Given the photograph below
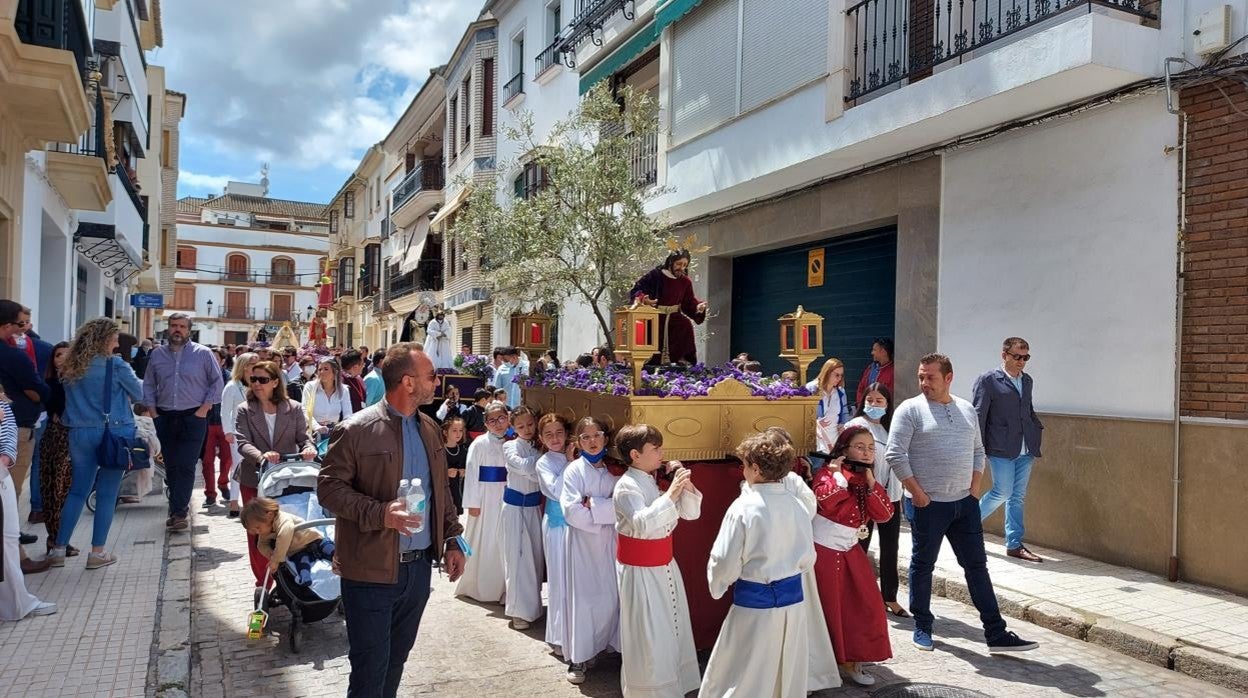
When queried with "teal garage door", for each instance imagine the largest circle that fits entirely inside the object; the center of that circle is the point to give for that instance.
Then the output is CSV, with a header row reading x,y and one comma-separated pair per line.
x,y
856,299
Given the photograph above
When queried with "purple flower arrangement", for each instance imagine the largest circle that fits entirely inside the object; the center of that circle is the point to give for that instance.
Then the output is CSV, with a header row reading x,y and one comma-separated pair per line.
x,y
682,382
478,365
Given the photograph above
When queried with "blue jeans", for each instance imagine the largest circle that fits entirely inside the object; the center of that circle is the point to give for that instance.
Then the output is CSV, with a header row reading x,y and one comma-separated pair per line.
x,y
87,474
382,620
960,523
1009,485
181,436
36,496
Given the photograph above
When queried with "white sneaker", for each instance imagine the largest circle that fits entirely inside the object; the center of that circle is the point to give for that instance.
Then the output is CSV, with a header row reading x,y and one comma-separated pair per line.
x,y
576,674
861,677
45,608
519,624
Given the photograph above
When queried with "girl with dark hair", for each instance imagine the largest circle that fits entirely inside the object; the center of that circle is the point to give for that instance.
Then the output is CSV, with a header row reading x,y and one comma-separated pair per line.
x,y
849,497
522,521
483,577
593,592
875,412
55,472
453,439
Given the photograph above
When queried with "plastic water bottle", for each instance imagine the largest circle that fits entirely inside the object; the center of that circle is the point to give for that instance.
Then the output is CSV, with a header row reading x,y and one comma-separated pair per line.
x,y
416,502
404,486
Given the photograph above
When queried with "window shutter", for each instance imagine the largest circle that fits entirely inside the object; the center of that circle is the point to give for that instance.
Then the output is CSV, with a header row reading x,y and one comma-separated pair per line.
x,y
409,162
348,205
466,96
704,67
333,222
801,27
487,97
453,120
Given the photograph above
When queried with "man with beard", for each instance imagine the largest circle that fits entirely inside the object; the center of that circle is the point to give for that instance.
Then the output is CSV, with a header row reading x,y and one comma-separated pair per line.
x,y
182,384
669,289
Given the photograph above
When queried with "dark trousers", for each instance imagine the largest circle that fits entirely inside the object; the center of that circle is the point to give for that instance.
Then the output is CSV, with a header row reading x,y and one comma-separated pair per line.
x,y
382,620
181,436
959,522
890,531
322,549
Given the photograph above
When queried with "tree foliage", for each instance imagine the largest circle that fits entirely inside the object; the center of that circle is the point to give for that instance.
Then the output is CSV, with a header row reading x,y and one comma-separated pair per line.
x,y
584,233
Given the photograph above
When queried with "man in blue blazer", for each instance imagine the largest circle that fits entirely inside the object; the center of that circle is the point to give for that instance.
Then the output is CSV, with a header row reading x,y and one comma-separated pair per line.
x,y
1011,432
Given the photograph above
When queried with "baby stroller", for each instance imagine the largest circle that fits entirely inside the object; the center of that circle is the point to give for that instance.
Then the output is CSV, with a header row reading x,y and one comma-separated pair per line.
x,y
292,483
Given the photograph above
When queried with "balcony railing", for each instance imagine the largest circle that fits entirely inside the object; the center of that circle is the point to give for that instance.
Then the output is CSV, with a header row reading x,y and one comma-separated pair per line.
x,y
132,188
283,278
894,41
279,315
238,275
429,175
229,312
514,88
427,276
92,142
644,160
549,57
590,16
58,24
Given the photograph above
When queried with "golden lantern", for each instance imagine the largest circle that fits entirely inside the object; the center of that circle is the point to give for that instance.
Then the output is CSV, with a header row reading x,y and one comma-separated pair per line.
x,y
636,337
801,339
530,332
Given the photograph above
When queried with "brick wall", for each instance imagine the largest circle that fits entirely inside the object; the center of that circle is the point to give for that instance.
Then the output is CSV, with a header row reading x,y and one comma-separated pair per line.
x,y
1215,310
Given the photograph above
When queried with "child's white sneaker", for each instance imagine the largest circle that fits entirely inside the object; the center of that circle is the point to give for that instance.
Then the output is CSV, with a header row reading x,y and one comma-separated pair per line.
x,y
576,674
519,624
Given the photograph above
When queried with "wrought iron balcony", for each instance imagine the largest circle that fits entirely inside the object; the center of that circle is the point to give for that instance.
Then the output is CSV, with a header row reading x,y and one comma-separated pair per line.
x,y
644,160
427,276
238,275
283,279
590,16
130,184
92,143
896,41
229,312
514,87
58,24
281,315
549,57
429,175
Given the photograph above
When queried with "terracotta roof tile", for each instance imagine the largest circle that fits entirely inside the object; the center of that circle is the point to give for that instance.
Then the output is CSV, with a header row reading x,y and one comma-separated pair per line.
x,y
264,206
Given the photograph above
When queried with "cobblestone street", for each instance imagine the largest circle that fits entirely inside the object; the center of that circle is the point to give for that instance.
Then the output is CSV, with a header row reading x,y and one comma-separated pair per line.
x,y
466,649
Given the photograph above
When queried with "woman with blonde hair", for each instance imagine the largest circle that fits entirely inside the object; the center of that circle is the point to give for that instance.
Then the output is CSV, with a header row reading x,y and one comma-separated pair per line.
x,y
832,413
100,391
233,395
326,400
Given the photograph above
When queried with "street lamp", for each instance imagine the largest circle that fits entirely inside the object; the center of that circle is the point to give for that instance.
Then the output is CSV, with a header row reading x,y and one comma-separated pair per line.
x,y
209,307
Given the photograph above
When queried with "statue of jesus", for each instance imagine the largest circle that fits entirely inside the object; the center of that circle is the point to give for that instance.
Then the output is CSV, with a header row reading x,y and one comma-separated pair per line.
x,y
668,289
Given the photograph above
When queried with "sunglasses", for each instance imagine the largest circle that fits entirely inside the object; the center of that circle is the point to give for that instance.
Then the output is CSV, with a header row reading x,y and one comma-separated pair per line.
x,y
262,380
1019,357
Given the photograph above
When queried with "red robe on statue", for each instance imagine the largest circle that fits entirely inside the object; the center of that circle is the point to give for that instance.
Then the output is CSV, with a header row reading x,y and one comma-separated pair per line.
x,y
669,291
851,601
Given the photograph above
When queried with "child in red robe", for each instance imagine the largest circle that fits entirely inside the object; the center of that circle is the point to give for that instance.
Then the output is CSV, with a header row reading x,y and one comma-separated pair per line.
x,y
848,496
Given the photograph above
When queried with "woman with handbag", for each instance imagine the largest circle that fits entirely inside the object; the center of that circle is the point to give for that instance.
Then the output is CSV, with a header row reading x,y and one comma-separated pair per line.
x,y
100,390
326,401
268,425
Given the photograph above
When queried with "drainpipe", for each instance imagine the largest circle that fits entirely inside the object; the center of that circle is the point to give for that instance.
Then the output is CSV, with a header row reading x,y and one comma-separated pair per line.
x,y
1172,566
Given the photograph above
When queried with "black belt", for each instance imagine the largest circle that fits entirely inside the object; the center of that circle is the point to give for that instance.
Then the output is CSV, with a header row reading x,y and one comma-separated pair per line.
x,y
414,555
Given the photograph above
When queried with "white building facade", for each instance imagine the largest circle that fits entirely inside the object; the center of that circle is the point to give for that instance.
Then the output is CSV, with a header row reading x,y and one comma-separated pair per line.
x,y
248,264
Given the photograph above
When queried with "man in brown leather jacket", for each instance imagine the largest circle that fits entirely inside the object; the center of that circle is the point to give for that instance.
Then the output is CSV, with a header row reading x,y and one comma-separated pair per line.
x,y
384,554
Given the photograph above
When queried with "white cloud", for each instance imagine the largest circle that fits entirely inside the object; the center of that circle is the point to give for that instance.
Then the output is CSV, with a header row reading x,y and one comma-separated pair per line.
x,y
203,183
305,84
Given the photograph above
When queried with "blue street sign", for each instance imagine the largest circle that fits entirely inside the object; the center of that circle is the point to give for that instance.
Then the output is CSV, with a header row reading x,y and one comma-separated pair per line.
x,y
147,300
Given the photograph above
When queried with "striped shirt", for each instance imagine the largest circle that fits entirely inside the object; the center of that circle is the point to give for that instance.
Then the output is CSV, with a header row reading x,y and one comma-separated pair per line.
x,y
8,432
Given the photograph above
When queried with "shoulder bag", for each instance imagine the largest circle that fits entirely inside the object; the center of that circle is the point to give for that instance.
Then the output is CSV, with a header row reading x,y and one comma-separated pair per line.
x,y
117,452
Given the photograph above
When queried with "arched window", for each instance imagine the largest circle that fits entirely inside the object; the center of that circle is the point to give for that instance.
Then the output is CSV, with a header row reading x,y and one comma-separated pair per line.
x,y
236,267
282,271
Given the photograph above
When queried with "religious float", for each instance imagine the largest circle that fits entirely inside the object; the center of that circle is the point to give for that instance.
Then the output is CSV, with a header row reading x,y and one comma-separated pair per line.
x,y
703,413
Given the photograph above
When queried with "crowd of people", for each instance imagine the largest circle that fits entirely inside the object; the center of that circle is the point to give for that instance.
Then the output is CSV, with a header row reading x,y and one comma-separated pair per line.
x,y
541,500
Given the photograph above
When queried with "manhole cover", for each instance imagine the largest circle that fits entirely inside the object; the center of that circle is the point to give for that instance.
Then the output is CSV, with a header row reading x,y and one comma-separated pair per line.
x,y
926,690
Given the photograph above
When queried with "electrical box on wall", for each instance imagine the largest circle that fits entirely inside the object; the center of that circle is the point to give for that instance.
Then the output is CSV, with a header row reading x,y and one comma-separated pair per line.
x,y
1212,31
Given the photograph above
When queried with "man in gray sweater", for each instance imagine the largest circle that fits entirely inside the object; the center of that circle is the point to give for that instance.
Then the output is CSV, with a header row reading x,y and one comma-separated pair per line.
x,y
935,448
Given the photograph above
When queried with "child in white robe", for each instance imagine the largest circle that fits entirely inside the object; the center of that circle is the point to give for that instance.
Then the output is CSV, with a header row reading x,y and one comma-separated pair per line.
x,y
656,635
764,546
484,482
522,522
593,599
553,430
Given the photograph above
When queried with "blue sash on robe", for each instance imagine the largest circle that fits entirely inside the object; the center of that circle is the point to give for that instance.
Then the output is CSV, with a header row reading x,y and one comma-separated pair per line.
x,y
517,498
778,594
493,473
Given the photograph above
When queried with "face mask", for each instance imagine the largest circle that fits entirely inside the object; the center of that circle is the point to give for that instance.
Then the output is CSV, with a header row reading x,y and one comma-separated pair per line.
x,y
308,371
20,340
134,351
874,412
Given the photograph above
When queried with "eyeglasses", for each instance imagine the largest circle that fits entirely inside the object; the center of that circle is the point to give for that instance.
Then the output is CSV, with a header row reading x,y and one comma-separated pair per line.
x,y
499,419
592,436
262,380
1019,357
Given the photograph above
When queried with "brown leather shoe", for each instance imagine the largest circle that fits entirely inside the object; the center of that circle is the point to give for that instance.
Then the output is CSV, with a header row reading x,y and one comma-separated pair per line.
x,y
1022,553
30,566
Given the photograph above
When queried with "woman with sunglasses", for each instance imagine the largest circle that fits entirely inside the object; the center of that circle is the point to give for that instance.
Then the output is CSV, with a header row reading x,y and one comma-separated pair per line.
x,y
326,400
267,426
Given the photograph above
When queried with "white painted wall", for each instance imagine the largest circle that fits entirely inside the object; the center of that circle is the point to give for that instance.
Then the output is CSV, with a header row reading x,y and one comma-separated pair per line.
x,y
1065,235
47,254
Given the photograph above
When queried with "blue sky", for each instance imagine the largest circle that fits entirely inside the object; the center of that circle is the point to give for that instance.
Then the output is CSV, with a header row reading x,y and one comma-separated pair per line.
x,y
304,85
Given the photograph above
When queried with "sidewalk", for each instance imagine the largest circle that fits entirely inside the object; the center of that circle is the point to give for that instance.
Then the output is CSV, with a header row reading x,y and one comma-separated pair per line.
x,y
99,643
1199,631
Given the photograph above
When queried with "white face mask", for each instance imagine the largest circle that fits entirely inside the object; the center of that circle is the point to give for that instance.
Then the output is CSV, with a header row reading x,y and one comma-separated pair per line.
x,y
309,371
